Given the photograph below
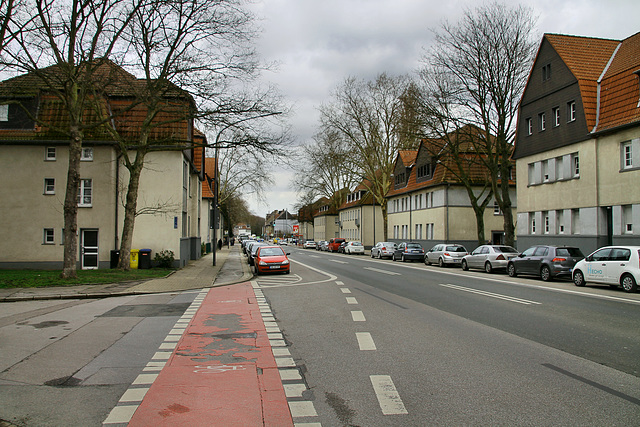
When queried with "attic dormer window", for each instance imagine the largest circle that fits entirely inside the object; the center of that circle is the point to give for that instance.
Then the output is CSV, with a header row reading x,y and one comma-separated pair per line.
x,y
4,113
546,72
400,179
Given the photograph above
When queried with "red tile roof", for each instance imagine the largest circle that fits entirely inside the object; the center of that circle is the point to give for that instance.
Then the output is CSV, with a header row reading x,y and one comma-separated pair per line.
x,y
209,168
614,61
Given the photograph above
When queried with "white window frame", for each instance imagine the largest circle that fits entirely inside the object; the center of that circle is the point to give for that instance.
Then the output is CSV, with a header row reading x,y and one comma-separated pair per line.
x,y
571,111
48,236
86,155
545,217
626,149
49,186
529,126
556,116
533,225
575,165
50,154
85,190
543,121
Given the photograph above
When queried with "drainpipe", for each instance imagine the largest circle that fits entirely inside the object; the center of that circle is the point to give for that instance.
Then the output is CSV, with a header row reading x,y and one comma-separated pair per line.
x,y
115,233
446,206
410,218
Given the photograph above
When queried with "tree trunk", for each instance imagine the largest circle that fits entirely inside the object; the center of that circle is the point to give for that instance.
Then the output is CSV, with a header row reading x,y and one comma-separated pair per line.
x,y
71,206
135,170
479,212
509,225
385,221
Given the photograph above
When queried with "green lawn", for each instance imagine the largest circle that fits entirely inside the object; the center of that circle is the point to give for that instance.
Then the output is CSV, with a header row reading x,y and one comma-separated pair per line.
x,y
43,278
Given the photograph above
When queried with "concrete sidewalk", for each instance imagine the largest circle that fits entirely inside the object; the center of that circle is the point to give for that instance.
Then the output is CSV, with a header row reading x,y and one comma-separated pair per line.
x,y
197,274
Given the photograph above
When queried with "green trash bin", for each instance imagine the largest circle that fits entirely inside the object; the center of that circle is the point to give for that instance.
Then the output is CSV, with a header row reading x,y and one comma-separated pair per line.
x,y
133,259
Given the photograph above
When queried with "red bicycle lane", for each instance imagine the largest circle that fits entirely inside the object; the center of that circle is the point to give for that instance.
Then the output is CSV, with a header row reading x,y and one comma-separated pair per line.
x,y
222,372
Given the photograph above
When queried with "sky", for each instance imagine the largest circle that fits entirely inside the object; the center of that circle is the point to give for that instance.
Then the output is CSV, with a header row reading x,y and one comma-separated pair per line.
x,y
317,44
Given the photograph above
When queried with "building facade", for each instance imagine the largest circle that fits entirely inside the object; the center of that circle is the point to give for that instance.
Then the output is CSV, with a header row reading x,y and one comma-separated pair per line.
x,y
578,144
34,162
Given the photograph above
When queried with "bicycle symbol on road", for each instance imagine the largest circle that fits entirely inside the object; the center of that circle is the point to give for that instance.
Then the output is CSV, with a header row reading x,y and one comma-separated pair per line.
x,y
217,369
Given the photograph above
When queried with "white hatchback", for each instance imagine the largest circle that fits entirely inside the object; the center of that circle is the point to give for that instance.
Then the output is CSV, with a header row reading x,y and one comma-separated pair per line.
x,y
612,265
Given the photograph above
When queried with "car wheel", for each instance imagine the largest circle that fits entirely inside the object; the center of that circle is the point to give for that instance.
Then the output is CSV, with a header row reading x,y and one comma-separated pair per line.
x,y
464,265
487,267
629,283
545,273
379,255
372,254
511,269
578,278
393,257
440,262
288,271
426,260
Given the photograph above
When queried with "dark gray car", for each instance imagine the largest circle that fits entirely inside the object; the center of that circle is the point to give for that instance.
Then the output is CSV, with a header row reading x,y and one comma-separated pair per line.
x,y
545,261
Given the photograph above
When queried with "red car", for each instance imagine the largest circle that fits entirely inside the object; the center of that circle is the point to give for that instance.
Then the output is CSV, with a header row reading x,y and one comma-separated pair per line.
x,y
271,259
334,244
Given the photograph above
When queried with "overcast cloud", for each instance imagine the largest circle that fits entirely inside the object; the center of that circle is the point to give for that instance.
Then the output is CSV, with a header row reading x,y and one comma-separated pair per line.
x,y
317,44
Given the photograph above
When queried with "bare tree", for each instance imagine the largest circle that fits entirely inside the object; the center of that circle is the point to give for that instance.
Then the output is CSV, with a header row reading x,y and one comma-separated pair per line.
x,y
369,116
482,63
200,51
61,45
328,168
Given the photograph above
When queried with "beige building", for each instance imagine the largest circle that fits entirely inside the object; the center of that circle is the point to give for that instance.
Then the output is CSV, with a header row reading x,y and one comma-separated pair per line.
x,y
360,219
578,144
428,204
325,221
34,165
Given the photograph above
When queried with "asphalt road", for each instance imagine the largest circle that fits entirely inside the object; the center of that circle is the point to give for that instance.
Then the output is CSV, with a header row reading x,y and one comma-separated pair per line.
x,y
386,343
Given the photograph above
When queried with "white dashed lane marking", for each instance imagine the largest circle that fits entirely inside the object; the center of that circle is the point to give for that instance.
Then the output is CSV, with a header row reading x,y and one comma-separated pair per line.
x,y
388,397
365,341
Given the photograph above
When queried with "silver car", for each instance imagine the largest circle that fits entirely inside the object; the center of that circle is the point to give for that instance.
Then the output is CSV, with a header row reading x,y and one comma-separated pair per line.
x,y
383,250
489,257
444,255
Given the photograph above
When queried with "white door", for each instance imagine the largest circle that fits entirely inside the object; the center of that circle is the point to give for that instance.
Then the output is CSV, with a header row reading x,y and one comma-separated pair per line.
x,y
89,249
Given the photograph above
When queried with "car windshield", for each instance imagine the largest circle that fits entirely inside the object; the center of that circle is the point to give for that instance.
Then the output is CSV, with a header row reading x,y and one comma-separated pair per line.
x,y
573,252
356,244
505,249
271,252
455,249
414,245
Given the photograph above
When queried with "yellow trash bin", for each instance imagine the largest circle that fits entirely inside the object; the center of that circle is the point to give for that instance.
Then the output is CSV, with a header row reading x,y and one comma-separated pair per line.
x,y
133,259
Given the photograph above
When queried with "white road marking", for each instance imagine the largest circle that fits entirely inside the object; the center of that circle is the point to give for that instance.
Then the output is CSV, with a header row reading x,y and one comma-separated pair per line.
x,y
339,262
121,414
491,294
339,282
352,300
387,395
358,316
390,273
294,390
365,341
302,409
345,290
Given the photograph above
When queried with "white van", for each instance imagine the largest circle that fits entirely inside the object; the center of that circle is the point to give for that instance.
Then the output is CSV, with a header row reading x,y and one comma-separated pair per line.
x,y
612,265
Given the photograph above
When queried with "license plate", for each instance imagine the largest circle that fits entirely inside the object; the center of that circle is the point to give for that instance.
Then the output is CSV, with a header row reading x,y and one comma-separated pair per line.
x,y
274,266
456,260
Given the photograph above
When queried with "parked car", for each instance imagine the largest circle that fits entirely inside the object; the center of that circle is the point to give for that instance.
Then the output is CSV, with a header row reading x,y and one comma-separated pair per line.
x,y
545,261
254,249
334,244
408,251
383,249
444,255
489,257
354,248
309,244
342,246
321,243
271,259
245,245
612,265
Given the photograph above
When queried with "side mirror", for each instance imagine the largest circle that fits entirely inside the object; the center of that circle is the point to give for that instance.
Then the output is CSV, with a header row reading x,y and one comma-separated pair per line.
x,y
589,258
288,253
